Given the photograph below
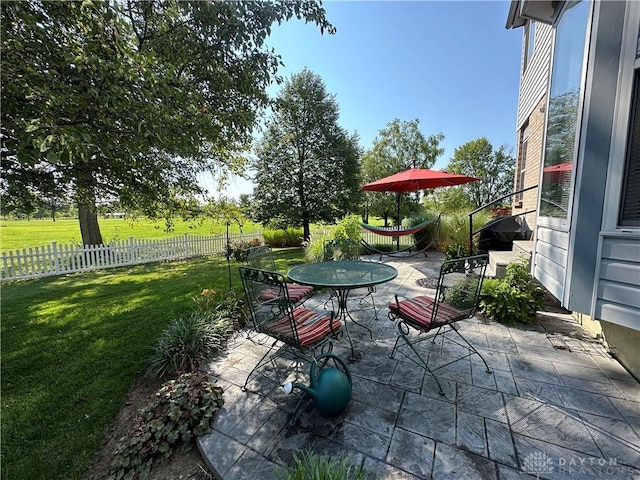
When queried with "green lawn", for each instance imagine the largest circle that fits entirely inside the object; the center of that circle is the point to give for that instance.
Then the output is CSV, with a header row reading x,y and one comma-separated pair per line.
x,y
72,346
15,234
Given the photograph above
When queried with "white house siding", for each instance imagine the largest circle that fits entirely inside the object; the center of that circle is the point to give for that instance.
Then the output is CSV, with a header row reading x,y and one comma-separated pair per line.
x,y
618,298
550,259
534,80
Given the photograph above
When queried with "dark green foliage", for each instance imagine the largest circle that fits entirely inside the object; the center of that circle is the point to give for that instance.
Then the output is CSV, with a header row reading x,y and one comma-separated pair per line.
x,y
180,411
478,159
513,299
463,293
188,341
398,146
314,467
131,100
306,164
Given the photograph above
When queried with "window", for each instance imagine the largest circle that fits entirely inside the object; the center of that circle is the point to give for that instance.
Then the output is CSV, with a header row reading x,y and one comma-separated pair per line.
x,y
630,201
522,164
563,114
529,42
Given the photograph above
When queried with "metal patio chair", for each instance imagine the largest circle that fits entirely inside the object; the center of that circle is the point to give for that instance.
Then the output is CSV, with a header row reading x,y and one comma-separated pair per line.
x,y
262,257
303,331
457,297
347,249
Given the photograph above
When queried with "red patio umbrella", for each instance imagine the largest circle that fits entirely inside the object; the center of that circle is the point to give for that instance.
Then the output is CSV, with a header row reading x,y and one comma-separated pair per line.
x,y
416,179
558,173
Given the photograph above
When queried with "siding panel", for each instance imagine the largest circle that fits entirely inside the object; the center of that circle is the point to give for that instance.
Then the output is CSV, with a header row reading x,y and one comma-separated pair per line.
x,y
533,84
618,314
621,249
618,292
625,294
550,283
554,237
619,271
551,260
552,252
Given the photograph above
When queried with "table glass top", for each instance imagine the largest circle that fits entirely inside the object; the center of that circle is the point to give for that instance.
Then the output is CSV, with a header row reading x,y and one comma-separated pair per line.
x,y
342,274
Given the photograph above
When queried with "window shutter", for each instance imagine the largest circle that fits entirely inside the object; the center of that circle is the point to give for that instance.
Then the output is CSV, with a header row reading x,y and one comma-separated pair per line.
x,y
630,205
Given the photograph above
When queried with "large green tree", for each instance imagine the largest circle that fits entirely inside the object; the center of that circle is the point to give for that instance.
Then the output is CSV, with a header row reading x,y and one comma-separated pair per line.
x,y
399,146
129,100
306,164
478,159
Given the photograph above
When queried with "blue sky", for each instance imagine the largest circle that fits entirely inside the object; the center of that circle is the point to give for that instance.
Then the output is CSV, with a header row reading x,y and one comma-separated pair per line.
x,y
450,64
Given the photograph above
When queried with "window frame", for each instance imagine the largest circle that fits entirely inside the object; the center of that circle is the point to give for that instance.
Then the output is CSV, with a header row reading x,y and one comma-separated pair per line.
x,y
557,223
529,43
522,164
621,126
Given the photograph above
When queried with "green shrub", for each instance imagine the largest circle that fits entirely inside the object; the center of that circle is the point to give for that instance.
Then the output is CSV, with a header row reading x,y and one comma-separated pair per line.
x,y
462,294
513,299
180,411
238,248
315,467
348,228
288,237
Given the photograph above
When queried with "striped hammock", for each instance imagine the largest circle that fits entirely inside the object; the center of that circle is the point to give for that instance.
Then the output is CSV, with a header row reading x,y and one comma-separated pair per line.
x,y
401,232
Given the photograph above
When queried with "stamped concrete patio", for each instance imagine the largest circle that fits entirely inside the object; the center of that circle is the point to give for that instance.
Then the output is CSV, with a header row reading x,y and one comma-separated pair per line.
x,y
556,405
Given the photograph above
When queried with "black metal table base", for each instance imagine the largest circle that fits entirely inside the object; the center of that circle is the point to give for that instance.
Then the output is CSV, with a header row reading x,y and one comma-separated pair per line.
x,y
343,314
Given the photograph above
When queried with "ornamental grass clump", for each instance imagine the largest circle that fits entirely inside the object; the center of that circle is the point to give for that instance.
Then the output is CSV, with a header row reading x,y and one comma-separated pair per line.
x,y
188,341
180,411
314,467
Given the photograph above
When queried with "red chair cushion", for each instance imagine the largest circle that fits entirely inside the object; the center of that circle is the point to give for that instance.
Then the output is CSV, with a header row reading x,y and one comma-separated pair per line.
x,y
419,312
296,292
312,326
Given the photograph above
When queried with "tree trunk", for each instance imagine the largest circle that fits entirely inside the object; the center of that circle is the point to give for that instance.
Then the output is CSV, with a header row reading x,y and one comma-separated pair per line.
x,y
306,230
87,212
89,228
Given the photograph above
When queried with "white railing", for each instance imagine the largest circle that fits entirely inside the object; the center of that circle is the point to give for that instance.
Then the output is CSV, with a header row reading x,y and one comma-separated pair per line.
x,y
57,259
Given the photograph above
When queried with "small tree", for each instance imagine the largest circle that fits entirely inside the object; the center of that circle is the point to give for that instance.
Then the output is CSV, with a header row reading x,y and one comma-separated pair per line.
x,y
399,146
307,165
478,159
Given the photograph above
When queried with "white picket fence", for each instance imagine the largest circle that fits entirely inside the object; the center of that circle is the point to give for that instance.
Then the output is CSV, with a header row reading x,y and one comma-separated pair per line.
x,y
57,259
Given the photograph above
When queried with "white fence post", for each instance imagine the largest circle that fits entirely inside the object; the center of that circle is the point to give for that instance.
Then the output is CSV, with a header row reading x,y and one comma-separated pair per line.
x,y
57,259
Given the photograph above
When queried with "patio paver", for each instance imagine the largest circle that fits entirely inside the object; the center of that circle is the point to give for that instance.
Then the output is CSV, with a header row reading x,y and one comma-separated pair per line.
x,y
556,406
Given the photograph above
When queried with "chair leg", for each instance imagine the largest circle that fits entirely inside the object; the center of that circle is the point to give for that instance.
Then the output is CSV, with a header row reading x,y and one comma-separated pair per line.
x,y
471,348
258,365
404,334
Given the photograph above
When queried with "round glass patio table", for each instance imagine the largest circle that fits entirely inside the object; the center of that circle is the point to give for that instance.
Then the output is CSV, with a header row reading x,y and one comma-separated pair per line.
x,y
342,277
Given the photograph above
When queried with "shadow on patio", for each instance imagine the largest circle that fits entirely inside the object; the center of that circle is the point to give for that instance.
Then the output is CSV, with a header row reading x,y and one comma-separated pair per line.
x,y
556,405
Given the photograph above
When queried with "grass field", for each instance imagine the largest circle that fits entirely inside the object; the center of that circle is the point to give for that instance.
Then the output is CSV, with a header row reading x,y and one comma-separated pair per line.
x,y
72,346
16,234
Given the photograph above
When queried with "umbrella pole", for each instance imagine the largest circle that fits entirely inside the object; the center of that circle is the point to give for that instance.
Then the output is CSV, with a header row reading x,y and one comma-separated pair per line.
x,y
398,222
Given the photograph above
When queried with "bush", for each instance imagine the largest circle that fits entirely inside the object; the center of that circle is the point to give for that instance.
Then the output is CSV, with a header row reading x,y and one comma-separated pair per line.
x,y
513,299
314,467
348,228
238,248
289,237
180,411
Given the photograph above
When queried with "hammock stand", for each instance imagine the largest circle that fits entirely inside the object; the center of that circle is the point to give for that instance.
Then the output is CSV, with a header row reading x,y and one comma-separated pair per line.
x,y
433,223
